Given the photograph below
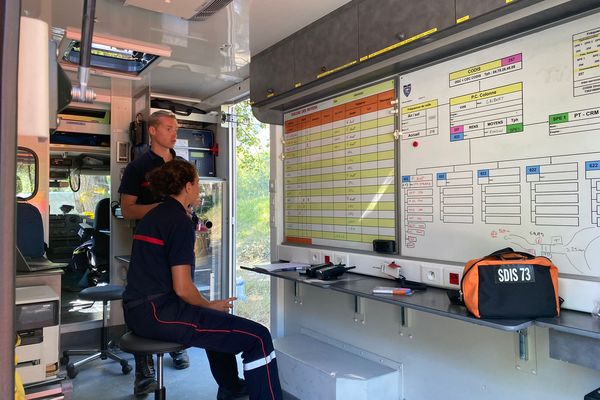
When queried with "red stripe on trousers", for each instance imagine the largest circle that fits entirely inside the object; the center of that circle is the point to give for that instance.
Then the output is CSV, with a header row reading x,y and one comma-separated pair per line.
x,y
220,331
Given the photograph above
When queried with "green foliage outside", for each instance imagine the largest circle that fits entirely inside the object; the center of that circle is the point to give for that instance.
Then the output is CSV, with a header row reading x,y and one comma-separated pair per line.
x,y
252,208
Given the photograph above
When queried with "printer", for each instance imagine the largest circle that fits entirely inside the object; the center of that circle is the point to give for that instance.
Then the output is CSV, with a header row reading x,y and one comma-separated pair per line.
x,y
37,323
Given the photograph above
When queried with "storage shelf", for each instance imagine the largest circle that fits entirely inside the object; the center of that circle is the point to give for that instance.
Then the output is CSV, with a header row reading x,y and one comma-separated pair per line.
x,y
435,301
574,322
432,301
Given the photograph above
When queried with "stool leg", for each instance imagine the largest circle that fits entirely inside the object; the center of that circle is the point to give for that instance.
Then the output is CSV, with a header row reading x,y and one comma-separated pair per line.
x,y
161,392
104,331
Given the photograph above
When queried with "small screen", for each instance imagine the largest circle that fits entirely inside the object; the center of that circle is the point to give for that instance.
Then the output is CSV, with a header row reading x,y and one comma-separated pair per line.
x,y
36,315
196,154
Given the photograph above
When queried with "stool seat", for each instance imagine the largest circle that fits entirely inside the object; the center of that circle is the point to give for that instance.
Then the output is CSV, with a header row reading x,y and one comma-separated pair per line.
x,y
102,293
105,294
132,343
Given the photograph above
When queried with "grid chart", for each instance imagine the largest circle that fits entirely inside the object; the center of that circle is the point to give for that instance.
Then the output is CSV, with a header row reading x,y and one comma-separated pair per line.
x,y
339,178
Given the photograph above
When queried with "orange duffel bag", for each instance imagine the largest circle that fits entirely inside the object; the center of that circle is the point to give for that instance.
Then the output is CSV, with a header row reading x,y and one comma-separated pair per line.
x,y
510,284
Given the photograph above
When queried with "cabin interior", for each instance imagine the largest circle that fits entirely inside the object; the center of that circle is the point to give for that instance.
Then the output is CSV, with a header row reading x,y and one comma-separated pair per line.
x,y
404,139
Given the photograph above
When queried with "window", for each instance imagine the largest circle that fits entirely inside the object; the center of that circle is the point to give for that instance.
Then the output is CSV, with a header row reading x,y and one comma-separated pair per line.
x,y
111,58
27,173
252,235
92,189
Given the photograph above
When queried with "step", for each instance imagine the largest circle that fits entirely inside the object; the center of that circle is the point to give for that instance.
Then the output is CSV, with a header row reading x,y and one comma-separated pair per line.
x,y
311,370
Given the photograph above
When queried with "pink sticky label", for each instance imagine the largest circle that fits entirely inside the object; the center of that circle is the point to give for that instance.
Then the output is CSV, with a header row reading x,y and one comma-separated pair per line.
x,y
457,129
512,59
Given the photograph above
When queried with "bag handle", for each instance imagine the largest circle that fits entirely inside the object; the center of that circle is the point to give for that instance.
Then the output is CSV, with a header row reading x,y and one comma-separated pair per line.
x,y
503,253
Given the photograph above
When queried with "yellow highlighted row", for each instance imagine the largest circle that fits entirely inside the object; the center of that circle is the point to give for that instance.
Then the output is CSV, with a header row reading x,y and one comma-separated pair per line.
x,y
366,173
351,190
349,144
383,155
584,39
476,69
366,92
420,106
370,222
352,237
484,94
341,176
343,130
364,141
343,206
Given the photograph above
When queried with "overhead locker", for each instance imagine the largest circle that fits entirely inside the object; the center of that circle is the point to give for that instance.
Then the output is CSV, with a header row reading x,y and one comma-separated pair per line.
x,y
469,9
326,46
387,24
272,71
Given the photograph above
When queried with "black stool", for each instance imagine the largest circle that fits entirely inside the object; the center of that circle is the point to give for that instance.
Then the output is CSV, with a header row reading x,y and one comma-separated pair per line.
x,y
105,294
131,343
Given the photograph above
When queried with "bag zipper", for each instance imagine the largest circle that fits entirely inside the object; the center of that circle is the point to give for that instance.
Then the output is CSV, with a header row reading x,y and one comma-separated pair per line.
x,y
460,291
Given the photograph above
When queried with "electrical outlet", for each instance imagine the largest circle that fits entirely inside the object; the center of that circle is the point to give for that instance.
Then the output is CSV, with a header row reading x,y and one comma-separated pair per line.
x,y
452,276
341,258
316,257
327,256
391,268
432,275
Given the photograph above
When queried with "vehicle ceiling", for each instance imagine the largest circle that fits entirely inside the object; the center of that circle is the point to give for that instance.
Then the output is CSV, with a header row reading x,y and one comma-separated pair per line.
x,y
207,56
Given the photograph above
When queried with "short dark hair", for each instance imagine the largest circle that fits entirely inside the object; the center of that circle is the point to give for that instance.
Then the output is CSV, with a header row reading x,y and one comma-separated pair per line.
x,y
171,178
155,117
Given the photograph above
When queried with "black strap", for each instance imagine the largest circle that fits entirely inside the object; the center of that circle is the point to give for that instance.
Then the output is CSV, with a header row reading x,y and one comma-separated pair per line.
x,y
508,250
138,302
455,297
410,284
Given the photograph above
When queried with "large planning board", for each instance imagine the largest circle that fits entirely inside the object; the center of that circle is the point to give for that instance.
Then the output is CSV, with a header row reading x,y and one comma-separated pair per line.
x,y
339,170
497,148
501,147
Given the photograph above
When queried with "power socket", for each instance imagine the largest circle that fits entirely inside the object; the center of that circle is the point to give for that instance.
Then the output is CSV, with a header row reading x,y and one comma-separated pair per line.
x,y
316,257
341,258
432,275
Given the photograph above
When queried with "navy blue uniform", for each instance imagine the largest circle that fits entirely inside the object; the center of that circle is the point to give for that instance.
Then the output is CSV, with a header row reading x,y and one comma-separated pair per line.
x,y
165,238
135,178
135,183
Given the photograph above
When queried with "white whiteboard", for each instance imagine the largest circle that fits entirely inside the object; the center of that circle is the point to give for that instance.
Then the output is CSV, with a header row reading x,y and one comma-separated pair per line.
x,y
339,170
501,147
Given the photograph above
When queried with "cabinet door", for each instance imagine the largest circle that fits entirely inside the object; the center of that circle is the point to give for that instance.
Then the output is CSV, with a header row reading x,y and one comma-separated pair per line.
x,y
272,71
326,45
469,9
383,23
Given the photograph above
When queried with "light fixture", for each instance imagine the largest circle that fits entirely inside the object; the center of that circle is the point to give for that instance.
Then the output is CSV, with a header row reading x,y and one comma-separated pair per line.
x,y
112,56
33,113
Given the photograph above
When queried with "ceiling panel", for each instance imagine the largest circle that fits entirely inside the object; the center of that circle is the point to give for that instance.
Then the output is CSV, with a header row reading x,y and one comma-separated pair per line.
x,y
207,56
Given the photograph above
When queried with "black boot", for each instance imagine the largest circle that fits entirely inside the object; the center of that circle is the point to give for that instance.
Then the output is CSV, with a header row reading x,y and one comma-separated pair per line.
x,y
238,391
180,359
145,381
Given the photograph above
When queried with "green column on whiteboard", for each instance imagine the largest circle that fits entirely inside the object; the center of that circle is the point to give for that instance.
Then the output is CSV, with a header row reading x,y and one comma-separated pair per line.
x,y
514,128
558,118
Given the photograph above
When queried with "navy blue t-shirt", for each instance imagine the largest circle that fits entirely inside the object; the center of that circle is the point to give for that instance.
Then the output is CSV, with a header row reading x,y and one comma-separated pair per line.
x,y
163,238
135,178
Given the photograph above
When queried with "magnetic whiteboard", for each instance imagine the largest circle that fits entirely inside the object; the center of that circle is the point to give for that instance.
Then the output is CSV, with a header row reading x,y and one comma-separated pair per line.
x,y
501,147
339,170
